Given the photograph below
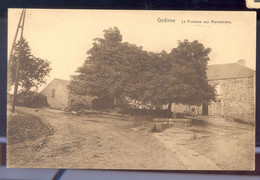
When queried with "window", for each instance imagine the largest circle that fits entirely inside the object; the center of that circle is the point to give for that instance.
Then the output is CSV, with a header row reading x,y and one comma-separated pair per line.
x,y
53,93
218,90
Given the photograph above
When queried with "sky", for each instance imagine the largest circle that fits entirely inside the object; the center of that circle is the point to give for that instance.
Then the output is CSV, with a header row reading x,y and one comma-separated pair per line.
x,y
64,36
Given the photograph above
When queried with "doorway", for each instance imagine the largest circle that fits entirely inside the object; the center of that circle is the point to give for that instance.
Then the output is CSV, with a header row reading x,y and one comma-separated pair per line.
x,y
217,107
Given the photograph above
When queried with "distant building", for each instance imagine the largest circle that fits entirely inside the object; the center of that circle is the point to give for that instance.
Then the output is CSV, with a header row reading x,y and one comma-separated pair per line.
x,y
59,97
57,93
235,89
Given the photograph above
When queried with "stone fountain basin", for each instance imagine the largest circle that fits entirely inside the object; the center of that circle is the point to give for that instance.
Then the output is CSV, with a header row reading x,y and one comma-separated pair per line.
x,y
172,120
165,123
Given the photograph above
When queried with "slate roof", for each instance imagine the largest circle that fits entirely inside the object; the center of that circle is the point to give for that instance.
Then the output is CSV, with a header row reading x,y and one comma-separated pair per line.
x,y
228,71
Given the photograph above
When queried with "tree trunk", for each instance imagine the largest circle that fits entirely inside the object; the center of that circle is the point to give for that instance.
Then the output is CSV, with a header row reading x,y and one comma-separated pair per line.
x,y
170,106
170,110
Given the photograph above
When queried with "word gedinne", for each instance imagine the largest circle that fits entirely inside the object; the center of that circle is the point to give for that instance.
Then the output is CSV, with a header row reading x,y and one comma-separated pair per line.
x,y
165,20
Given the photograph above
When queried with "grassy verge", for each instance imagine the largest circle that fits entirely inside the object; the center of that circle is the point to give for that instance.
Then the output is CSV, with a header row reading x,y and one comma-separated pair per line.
x,y
22,127
248,118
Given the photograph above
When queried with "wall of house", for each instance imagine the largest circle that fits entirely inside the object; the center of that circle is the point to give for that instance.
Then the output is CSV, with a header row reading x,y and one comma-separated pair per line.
x,y
60,100
236,95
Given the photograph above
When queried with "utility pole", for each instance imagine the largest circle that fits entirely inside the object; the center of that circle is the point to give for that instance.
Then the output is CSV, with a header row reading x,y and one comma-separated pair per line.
x,y
15,37
17,73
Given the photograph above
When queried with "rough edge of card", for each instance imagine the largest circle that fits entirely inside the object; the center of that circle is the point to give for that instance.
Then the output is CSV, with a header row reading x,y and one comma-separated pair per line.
x,y
253,4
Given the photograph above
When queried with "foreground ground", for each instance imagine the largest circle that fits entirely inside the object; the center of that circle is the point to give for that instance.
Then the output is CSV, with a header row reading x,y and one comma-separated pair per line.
x,y
108,141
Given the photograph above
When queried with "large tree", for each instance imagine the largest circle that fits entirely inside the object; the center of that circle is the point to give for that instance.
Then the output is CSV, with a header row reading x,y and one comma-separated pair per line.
x,y
119,69
112,68
181,76
33,70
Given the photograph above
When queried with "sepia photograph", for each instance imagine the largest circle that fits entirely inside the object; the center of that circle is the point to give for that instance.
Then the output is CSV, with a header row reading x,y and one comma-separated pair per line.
x,y
131,89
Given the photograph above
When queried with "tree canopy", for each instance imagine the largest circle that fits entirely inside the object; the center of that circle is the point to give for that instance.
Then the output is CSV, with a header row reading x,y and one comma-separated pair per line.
x,y
112,68
33,70
181,76
119,69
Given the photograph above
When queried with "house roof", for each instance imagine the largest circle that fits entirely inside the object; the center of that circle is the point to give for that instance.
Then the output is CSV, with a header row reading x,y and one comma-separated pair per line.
x,y
228,71
65,83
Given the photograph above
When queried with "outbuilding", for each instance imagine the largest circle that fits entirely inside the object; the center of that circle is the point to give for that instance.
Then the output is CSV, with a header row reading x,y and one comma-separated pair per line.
x,y
57,93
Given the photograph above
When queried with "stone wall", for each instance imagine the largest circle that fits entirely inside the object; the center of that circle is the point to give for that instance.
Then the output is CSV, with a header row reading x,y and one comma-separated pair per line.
x,y
237,95
60,100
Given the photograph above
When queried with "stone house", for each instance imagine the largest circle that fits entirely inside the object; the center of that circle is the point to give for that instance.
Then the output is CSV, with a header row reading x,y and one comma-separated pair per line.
x,y
235,89
59,97
57,93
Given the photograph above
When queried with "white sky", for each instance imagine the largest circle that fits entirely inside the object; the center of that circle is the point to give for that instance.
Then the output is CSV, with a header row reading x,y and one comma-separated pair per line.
x,y
64,36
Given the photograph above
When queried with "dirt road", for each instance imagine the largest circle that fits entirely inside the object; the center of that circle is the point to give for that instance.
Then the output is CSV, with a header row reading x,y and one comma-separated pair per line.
x,y
113,142
214,144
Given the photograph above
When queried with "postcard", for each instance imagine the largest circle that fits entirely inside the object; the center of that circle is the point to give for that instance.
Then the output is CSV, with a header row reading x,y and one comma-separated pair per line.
x,y
131,89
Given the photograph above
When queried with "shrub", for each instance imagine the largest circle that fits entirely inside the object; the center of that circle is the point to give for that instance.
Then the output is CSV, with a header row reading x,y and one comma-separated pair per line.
x,y
102,103
31,99
80,103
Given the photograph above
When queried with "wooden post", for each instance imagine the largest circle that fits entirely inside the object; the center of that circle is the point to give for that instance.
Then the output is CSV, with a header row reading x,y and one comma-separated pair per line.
x,y
16,33
17,73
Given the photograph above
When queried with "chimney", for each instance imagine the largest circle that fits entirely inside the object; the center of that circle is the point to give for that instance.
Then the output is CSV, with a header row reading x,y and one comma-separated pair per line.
x,y
242,62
